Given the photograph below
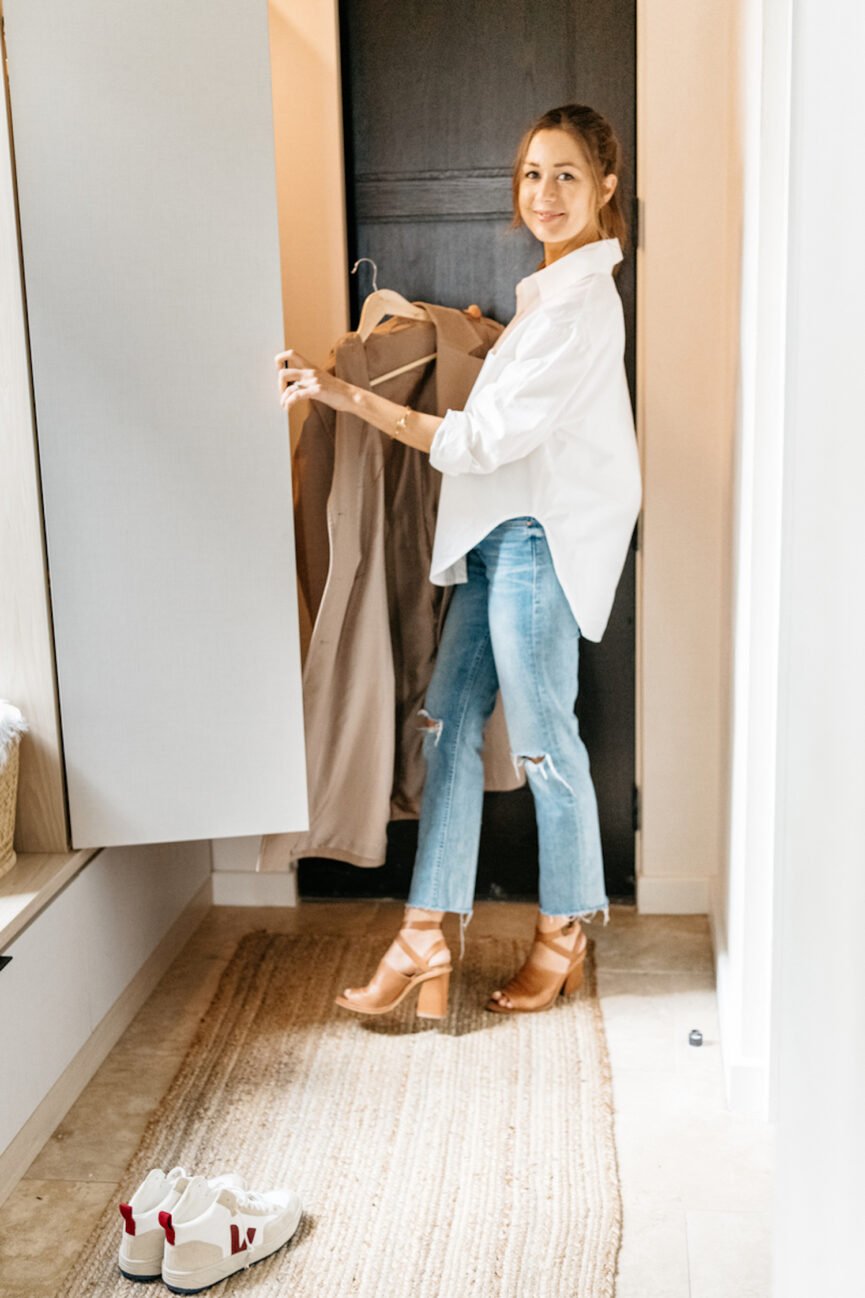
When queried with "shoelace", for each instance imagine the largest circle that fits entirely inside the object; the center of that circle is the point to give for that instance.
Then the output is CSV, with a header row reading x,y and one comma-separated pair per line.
x,y
252,1201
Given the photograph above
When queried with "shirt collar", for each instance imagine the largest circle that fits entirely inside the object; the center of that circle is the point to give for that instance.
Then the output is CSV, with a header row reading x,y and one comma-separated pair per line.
x,y
557,279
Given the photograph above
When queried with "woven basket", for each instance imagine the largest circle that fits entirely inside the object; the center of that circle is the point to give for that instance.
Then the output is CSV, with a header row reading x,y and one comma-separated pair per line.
x,y
8,791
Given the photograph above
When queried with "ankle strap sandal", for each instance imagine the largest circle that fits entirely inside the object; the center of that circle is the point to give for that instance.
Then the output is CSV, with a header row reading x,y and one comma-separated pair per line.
x,y
535,987
388,985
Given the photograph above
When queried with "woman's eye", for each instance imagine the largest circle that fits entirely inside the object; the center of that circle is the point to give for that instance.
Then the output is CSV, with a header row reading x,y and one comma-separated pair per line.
x,y
565,174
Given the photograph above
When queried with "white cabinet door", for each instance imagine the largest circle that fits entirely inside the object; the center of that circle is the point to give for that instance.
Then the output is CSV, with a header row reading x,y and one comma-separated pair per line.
x,y
144,150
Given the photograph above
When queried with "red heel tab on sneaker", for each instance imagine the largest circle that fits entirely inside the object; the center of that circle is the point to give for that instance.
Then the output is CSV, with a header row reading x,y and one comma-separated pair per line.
x,y
127,1215
167,1225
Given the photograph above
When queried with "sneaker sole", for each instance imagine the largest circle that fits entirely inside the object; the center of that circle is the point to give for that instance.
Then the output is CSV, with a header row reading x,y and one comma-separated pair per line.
x,y
197,1281
131,1269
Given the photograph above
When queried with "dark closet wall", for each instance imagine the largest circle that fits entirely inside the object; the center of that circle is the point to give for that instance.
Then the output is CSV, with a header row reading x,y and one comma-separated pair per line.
x,y
436,96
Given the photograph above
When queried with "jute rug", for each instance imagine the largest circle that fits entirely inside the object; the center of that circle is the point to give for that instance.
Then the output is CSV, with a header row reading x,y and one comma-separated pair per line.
x,y
473,1160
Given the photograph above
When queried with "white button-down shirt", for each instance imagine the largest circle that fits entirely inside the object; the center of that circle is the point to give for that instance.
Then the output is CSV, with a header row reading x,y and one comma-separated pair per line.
x,y
548,432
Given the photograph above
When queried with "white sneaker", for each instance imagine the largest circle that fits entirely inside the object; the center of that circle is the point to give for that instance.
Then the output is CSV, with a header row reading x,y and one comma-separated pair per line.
x,y
142,1243
213,1232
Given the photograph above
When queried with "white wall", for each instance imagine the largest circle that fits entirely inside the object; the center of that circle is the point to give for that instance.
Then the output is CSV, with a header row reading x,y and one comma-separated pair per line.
x,y
819,1019
742,896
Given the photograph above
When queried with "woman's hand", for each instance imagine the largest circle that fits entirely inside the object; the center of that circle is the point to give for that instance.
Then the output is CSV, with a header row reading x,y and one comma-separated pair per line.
x,y
299,380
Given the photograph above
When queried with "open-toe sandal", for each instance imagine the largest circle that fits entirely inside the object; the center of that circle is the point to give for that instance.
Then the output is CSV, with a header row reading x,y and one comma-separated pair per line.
x,y
388,985
535,987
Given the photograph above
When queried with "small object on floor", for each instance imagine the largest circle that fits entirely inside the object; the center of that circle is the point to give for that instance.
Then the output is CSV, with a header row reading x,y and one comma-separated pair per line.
x,y
142,1243
213,1232
695,1037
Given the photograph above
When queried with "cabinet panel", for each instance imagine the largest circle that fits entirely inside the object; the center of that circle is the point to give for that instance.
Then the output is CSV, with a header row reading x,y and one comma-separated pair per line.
x,y
144,153
76,960
44,1007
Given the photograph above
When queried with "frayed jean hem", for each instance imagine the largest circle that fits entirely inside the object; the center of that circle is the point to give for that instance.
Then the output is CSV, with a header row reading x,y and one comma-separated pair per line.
x,y
585,916
447,910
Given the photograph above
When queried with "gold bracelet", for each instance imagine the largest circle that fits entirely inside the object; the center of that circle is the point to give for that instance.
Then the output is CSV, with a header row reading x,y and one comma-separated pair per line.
x,y
400,423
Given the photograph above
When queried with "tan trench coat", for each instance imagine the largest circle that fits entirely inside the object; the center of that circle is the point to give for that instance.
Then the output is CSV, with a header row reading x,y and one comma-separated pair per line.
x,y
365,509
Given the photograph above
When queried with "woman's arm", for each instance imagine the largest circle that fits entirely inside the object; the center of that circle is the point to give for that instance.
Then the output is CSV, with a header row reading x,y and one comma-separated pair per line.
x,y
548,380
418,430
298,380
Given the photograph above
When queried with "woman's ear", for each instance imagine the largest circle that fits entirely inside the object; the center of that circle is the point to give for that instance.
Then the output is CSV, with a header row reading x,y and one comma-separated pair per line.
x,y
608,188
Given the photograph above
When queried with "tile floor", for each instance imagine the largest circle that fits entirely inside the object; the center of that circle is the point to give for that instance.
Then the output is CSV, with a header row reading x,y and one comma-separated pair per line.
x,y
696,1181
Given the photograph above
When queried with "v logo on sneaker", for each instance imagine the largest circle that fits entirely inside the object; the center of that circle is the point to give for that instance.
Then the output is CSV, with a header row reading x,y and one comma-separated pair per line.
x,y
219,1232
238,1244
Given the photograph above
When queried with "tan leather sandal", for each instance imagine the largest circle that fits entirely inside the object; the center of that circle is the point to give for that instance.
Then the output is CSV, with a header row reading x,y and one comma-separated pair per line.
x,y
535,987
388,985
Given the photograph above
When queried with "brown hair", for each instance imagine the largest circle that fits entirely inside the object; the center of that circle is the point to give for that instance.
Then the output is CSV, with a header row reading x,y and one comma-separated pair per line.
x,y
603,151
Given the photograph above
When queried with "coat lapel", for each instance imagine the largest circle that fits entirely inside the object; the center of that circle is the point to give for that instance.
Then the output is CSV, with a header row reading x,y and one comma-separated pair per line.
x,y
458,342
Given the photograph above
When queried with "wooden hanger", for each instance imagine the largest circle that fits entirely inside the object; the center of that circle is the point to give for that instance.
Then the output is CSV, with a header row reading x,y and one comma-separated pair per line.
x,y
378,304
386,301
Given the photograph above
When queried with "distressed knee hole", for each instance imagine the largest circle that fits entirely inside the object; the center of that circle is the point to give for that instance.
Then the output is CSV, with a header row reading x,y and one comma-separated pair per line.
x,y
430,726
544,765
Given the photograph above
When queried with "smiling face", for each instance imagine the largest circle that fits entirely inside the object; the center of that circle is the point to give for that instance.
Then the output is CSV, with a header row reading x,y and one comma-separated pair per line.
x,y
557,196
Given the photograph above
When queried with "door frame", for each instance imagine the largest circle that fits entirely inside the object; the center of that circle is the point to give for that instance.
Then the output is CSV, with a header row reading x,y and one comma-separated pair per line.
x,y
683,609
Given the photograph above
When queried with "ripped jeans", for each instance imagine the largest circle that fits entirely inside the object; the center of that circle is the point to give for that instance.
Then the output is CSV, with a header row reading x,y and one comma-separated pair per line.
x,y
510,626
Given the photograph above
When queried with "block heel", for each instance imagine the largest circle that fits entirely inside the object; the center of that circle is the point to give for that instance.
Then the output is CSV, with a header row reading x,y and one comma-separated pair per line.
x,y
574,980
432,997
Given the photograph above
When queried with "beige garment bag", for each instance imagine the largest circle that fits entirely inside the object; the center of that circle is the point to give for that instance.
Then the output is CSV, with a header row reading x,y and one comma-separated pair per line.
x,y
364,522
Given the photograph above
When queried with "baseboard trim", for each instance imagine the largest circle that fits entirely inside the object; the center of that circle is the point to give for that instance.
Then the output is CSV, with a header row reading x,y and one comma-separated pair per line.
x,y
746,1078
19,1154
659,896
254,888
748,1090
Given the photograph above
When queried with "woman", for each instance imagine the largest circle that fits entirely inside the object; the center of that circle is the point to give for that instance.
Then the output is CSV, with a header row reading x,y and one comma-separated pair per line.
x,y
540,492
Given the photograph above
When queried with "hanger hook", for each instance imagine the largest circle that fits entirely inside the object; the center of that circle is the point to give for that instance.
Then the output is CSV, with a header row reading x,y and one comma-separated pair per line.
x,y
374,271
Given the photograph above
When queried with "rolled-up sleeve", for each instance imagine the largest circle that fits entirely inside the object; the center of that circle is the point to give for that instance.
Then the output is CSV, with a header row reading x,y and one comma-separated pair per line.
x,y
510,415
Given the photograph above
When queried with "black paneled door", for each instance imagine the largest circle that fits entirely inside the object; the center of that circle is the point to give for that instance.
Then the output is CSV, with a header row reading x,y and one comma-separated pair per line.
x,y
436,96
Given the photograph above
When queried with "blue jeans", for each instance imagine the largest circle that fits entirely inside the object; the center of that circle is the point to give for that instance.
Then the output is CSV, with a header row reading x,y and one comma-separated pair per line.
x,y
509,626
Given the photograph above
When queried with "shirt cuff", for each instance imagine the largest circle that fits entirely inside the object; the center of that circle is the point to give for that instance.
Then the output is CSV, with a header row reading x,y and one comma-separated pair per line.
x,y
449,451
